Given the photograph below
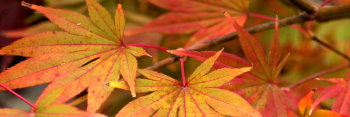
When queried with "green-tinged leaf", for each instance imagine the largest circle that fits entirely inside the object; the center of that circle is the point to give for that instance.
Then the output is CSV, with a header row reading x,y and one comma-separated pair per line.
x,y
51,111
63,111
9,112
102,18
87,56
119,21
205,67
200,97
57,42
72,22
128,68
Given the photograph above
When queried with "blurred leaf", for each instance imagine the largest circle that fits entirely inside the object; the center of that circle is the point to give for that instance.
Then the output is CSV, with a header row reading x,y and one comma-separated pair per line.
x,y
203,18
307,109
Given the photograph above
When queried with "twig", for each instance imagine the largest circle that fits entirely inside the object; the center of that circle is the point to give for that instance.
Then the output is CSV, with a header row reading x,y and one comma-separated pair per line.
x,y
306,5
18,96
325,14
324,44
163,63
313,76
262,27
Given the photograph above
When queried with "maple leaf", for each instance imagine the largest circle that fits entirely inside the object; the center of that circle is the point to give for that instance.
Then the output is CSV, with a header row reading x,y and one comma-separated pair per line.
x,y
87,54
258,86
262,85
307,109
341,91
201,17
55,110
199,97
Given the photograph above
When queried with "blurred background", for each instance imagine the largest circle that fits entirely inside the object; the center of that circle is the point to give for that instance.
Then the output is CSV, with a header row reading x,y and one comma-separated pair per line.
x,y
307,57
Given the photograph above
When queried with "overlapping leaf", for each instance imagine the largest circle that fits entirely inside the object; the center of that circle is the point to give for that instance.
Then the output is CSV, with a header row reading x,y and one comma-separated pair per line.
x,y
200,97
307,109
341,91
89,53
201,17
48,110
259,85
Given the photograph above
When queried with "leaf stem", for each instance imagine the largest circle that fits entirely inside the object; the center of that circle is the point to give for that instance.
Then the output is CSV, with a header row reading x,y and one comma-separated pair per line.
x,y
17,95
183,76
149,46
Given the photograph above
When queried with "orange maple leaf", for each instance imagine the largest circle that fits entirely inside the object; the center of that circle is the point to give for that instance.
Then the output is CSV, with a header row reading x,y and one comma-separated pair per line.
x,y
200,96
87,54
259,85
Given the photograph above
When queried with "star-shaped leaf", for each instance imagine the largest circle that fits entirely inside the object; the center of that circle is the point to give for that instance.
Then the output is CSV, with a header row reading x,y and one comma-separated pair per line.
x,y
87,54
201,96
260,85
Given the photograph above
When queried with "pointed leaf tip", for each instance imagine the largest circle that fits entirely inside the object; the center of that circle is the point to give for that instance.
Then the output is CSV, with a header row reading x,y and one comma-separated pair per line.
x,y
246,69
133,93
26,4
305,104
120,7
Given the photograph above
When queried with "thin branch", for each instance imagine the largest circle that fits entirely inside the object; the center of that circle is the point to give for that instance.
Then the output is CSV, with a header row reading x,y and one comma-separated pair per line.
x,y
228,37
325,14
273,19
18,96
163,63
316,75
324,44
306,5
